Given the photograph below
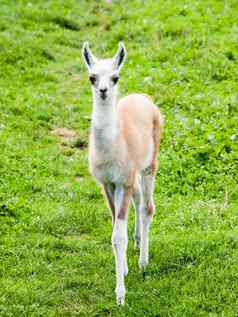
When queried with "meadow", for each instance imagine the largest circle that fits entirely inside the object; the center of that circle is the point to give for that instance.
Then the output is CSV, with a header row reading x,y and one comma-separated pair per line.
x,y
55,228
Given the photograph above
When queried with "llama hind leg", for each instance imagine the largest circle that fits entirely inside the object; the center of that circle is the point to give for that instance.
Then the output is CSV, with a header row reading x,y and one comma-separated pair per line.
x,y
147,211
137,200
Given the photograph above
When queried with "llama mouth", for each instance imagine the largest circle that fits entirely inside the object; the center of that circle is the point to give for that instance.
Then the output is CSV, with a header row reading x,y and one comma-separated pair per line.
x,y
103,96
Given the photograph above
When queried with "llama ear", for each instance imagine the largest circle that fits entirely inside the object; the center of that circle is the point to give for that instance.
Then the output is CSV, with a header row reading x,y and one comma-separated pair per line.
x,y
88,57
120,56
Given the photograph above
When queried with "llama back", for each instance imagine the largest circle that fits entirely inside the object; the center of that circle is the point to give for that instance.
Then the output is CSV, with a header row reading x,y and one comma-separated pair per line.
x,y
142,123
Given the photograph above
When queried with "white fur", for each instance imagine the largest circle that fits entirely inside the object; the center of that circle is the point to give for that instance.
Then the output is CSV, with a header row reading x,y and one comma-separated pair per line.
x,y
105,121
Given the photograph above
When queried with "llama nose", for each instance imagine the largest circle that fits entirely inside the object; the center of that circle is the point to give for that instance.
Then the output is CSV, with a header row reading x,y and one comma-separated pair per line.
x,y
103,92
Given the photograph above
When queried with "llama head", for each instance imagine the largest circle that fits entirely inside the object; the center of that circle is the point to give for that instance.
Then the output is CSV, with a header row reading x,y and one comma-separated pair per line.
x,y
104,73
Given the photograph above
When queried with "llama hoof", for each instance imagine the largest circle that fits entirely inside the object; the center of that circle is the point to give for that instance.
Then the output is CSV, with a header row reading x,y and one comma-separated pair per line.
x,y
120,293
121,300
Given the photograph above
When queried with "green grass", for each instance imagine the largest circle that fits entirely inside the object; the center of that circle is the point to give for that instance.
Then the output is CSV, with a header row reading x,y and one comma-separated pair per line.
x,y
55,229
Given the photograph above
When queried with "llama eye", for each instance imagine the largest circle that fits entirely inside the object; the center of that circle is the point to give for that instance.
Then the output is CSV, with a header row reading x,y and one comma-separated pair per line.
x,y
115,79
92,79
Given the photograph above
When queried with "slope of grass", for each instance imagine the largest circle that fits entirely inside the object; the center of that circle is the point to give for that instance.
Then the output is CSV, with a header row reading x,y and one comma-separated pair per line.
x,y
55,229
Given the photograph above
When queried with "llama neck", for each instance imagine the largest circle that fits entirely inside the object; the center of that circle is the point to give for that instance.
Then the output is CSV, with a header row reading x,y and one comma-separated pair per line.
x,y
105,117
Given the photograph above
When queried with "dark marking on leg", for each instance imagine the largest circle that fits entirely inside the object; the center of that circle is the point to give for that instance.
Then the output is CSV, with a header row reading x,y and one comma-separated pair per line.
x,y
109,193
123,211
150,207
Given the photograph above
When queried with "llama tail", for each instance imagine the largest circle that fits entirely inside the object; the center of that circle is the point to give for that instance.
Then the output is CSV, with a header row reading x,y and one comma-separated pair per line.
x,y
157,132
158,127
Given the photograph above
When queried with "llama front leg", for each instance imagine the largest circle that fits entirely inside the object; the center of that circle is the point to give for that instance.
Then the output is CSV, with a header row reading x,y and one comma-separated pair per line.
x,y
120,239
147,211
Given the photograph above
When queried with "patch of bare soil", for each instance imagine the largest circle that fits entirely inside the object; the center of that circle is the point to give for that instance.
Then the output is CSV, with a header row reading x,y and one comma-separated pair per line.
x,y
70,139
65,133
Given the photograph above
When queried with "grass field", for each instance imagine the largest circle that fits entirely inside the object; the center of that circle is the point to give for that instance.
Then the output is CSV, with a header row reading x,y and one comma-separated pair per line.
x,y
55,229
